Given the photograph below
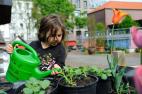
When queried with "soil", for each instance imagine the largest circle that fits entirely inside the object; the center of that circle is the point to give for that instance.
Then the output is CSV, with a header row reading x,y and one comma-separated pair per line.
x,y
84,81
81,82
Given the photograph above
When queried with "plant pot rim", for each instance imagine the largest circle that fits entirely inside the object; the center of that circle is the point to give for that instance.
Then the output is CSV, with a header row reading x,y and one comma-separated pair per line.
x,y
77,87
9,84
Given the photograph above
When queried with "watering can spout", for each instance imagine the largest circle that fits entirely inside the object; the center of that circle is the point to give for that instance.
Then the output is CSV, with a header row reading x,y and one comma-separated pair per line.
x,y
24,63
40,74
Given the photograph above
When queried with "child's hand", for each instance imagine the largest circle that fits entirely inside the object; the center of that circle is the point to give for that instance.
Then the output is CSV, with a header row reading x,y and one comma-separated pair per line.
x,y
56,66
9,48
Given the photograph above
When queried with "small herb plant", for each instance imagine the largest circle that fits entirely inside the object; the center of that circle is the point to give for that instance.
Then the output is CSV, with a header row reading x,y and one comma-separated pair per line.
x,y
72,75
102,73
34,86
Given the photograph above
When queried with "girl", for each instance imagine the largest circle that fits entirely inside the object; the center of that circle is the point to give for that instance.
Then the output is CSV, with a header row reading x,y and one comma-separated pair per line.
x,y
49,44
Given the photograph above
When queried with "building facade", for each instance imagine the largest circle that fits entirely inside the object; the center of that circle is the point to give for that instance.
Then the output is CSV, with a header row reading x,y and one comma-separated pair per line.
x,y
81,34
22,23
104,15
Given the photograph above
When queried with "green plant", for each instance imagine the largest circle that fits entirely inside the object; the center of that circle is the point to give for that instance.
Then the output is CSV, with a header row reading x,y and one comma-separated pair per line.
x,y
117,76
34,86
81,21
100,41
102,73
100,28
46,7
128,22
126,89
72,75
2,92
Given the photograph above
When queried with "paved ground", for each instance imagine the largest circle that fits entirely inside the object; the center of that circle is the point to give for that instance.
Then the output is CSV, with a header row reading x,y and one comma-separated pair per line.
x,y
75,58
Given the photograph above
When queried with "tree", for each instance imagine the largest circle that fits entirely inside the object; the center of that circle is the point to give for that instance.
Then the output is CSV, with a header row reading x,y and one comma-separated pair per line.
x,y
100,27
81,21
64,8
128,22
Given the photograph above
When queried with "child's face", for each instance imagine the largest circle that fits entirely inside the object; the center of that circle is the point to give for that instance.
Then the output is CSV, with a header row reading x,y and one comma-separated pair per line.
x,y
53,40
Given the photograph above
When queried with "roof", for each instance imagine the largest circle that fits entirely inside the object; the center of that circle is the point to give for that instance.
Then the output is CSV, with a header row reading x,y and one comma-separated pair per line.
x,y
119,5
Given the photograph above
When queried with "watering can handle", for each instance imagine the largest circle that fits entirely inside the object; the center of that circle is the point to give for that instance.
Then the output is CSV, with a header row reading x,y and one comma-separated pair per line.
x,y
28,47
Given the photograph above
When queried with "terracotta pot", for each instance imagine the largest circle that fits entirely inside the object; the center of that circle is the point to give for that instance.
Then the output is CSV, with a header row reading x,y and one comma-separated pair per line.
x,y
100,49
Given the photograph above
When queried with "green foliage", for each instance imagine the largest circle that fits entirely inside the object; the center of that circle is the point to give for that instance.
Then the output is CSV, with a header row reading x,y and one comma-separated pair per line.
x,y
126,89
100,27
81,21
128,22
102,73
69,24
71,75
2,92
119,86
41,8
113,65
100,42
34,86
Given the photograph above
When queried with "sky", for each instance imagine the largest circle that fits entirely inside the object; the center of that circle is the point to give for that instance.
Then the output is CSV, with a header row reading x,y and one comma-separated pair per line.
x,y
127,0
99,2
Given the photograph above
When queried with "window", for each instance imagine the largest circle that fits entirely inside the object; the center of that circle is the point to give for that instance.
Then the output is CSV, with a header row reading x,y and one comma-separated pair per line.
x,y
27,5
86,34
19,5
85,4
77,3
21,24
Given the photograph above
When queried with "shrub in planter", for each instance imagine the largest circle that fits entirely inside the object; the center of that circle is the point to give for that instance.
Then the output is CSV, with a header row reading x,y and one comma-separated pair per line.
x,y
34,86
76,81
118,85
104,84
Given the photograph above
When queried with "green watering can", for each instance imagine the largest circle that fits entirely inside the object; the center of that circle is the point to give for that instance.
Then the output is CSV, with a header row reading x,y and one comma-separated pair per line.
x,y
24,63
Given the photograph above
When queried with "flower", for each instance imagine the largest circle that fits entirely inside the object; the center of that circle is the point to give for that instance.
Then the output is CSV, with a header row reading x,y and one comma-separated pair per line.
x,y
118,15
136,36
138,79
